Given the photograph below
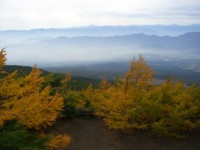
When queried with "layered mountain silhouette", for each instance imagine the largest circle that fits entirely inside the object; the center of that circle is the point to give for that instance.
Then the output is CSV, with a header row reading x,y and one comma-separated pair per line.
x,y
105,51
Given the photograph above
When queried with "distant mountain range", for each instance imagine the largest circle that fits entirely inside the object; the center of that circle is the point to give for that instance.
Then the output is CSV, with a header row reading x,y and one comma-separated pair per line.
x,y
86,49
105,51
160,30
188,42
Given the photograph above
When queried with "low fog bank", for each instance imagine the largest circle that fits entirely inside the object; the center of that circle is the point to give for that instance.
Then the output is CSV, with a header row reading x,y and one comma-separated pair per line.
x,y
83,50
104,56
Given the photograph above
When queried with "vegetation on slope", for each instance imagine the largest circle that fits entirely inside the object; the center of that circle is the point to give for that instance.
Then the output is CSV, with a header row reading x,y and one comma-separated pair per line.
x,y
32,106
31,103
133,102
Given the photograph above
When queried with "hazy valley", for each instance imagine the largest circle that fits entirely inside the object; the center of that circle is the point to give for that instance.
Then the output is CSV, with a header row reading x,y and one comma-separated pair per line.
x,y
105,51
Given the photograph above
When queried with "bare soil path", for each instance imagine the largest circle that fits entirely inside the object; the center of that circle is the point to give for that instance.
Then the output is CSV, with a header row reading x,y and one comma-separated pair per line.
x,y
92,134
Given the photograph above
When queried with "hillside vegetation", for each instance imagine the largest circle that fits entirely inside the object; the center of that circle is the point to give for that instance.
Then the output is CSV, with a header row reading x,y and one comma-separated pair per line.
x,y
133,102
27,109
31,103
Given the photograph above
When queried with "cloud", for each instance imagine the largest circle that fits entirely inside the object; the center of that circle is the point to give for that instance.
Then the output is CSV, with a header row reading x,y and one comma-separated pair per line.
x,y
24,14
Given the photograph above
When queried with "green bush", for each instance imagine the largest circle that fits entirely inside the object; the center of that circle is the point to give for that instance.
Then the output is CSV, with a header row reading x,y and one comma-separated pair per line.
x,y
15,137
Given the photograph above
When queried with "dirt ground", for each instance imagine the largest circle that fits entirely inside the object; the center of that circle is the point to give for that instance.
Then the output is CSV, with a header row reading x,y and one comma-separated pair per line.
x,y
92,134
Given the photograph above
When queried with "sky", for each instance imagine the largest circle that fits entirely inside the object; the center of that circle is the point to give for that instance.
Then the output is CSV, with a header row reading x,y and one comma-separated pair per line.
x,y
29,14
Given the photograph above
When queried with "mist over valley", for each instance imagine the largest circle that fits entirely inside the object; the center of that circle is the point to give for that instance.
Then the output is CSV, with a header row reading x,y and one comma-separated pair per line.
x,y
105,51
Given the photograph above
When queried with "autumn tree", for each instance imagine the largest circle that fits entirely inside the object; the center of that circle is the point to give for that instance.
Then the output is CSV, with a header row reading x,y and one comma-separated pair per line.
x,y
114,102
177,106
133,102
24,100
2,58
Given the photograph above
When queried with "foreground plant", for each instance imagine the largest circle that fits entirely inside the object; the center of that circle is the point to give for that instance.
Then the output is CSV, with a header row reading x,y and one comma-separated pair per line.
x,y
133,102
23,100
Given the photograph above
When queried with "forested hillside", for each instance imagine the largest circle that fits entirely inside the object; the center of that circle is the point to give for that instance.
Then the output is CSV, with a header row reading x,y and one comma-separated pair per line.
x,y
31,102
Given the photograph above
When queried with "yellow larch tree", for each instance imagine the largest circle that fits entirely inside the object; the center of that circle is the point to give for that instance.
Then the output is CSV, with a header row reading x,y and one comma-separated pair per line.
x,y
133,102
22,99
58,142
2,58
114,102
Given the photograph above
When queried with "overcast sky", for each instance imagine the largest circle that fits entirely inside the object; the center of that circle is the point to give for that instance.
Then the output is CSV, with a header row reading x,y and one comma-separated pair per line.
x,y
28,14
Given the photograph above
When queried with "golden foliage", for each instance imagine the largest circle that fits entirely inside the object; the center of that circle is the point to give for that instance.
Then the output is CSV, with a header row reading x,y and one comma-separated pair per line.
x,y
140,73
58,142
115,102
2,58
133,102
23,99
